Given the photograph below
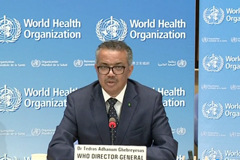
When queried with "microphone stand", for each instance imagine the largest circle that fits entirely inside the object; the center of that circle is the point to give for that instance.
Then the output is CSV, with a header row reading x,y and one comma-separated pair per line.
x,y
112,125
112,135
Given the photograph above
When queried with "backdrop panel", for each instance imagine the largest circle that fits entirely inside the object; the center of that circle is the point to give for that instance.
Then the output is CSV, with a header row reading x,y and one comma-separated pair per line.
x,y
48,48
219,87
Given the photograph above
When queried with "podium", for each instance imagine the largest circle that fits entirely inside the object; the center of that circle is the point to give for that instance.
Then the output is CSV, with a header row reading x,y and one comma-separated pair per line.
x,y
111,152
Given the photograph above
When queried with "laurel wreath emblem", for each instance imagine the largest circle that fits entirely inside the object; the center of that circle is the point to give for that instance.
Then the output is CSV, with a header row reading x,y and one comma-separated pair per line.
x,y
16,36
101,38
217,22
220,107
16,105
211,70
217,153
124,31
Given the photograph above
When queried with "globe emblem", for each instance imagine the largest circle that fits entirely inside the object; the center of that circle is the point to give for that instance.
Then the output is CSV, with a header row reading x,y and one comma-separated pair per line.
x,y
5,157
212,154
233,134
234,39
213,63
204,86
181,131
10,99
78,63
10,30
213,15
35,132
204,133
36,63
233,87
205,39
212,110
182,63
111,29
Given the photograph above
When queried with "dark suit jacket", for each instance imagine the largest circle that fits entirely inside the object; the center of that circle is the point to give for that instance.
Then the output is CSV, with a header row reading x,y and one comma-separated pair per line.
x,y
143,123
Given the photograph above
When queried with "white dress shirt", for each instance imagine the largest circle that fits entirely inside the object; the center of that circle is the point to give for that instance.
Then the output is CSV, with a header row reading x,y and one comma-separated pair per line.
x,y
119,98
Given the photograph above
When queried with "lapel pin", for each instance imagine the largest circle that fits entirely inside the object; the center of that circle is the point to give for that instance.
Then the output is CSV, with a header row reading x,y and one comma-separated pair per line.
x,y
129,104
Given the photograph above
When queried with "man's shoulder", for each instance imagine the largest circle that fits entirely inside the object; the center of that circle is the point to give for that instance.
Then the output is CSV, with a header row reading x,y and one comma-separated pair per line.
x,y
86,90
141,88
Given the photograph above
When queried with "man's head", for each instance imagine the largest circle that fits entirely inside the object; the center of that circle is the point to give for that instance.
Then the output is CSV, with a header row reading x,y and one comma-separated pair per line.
x,y
113,65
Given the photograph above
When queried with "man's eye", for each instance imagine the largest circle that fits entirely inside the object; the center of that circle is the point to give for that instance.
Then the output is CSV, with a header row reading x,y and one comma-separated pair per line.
x,y
104,67
118,67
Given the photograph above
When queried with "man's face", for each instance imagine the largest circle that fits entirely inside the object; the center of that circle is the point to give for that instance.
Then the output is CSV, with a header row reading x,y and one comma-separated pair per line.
x,y
112,83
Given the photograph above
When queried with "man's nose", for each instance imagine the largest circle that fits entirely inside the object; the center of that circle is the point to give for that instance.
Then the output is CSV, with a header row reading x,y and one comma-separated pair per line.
x,y
111,73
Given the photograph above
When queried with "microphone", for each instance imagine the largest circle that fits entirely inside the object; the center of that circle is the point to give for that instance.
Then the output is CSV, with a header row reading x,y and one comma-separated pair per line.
x,y
190,155
112,124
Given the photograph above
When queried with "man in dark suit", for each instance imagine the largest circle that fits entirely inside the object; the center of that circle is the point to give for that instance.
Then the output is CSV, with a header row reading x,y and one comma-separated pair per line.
x,y
140,114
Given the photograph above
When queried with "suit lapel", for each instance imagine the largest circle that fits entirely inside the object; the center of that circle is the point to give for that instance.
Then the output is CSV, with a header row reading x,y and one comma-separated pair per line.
x,y
128,108
99,112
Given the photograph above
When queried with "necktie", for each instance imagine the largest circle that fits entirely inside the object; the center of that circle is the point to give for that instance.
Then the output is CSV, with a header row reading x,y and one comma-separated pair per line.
x,y
113,114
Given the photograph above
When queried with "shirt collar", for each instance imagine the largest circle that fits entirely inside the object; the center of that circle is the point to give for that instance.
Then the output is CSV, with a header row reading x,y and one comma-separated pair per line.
x,y
119,97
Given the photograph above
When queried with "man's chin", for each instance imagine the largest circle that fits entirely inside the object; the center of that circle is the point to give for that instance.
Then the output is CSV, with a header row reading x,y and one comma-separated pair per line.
x,y
111,91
